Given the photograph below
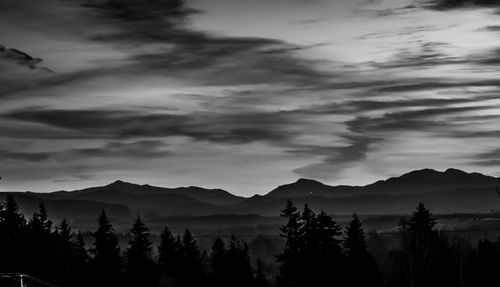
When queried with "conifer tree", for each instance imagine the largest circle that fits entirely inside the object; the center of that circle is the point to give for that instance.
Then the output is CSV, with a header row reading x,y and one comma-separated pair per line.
x,y
419,237
11,219
64,253
41,249
239,270
359,259
289,259
40,222
192,266
12,230
141,269
169,258
106,269
80,263
327,234
218,264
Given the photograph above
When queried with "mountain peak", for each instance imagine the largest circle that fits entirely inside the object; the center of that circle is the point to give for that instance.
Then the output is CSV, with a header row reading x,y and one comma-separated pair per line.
x,y
118,182
307,181
454,171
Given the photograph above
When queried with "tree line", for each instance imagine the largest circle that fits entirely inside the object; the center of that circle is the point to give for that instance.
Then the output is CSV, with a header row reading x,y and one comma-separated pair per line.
x,y
317,250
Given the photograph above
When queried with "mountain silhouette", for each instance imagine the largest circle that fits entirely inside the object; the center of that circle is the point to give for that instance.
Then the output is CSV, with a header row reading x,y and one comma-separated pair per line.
x,y
211,196
418,181
449,191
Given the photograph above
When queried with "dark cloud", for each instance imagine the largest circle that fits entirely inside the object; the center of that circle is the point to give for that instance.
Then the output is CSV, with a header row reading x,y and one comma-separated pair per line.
x,y
142,149
24,156
434,84
20,58
454,4
228,128
216,59
427,119
490,158
136,149
156,41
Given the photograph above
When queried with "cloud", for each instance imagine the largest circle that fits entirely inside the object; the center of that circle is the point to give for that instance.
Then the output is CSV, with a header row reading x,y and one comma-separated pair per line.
x,y
454,4
20,58
24,156
212,127
339,158
136,149
490,158
140,149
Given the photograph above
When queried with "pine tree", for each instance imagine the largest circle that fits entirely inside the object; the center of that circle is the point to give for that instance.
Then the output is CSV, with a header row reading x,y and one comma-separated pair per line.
x,y
169,258
291,230
362,269
327,234
64,255
218,264
239,270
289,259
309,227
79,249
65,234
419,237
12,230
192,266
107,263
354,243
41,248
80,263
12,221
141,269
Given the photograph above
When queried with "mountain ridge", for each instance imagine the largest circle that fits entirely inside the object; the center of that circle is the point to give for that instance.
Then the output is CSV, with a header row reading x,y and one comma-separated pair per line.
x,y
447,191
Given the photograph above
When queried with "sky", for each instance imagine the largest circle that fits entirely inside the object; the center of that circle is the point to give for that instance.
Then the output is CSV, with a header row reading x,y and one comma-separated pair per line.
x,y
245,95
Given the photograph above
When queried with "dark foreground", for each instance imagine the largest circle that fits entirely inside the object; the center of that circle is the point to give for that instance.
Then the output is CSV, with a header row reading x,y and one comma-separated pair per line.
x,y
315,249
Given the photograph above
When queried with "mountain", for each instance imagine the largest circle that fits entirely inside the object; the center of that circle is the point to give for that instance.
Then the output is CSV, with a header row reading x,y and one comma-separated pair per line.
x,y
308,187
429,180
461,200
449,191
210,196
418,181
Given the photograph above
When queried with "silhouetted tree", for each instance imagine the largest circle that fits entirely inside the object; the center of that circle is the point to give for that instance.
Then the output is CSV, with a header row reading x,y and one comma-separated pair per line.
x,y
11,219
238,262
106,265
64,255
169,258
12,236
362,270
80,262
312,253
141,269
419,236
192,273
289,259
218,264
42,248
40,222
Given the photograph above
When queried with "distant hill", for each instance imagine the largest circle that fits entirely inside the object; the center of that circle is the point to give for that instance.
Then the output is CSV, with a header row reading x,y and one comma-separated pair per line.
x,y
418,181
211,196
308,187
429,180
449,191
